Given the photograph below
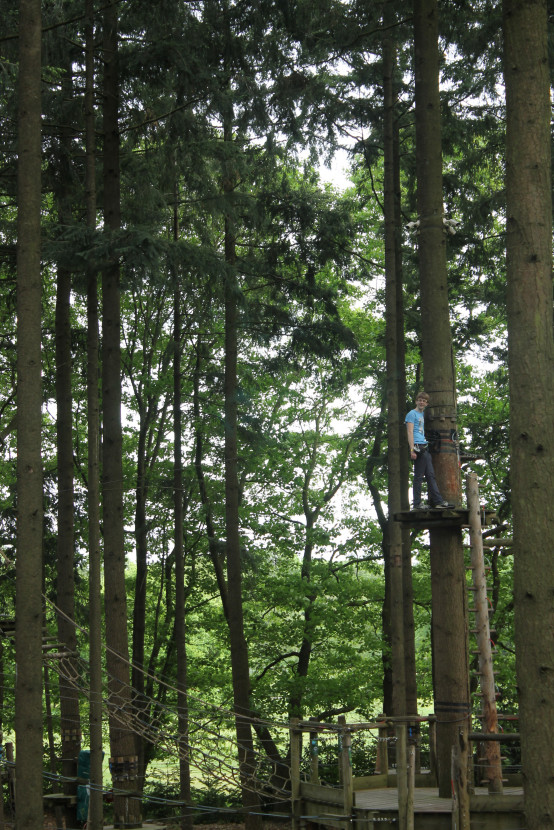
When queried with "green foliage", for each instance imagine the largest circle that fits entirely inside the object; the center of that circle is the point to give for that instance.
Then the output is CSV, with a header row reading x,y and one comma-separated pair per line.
x,y
363,756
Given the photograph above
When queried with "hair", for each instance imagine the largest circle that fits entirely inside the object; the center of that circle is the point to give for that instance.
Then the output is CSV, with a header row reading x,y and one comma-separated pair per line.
x,y
422,394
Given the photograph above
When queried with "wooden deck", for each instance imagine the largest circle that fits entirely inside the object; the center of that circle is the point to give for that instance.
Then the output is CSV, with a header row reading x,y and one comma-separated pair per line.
x,y
378,808
431,518
386,800
426,800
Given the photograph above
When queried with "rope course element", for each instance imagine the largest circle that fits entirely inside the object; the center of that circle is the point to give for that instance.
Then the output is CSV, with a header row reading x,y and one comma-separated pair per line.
x,y
208,721
216,763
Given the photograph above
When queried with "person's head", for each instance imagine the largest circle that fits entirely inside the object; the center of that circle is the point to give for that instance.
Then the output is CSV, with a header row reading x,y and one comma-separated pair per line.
x,y
422,399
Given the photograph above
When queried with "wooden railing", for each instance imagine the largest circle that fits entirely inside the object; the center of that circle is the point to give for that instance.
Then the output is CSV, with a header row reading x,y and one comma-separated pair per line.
x,y
335,806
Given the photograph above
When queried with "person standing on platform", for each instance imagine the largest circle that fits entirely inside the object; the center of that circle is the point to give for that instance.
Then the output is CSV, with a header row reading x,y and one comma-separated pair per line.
x,y
420,455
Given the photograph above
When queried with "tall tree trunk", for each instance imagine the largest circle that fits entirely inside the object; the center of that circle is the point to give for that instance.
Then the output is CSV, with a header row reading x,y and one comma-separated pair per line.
x,y
96,813
396,398
405,462
393,361
531,371
70,730
371,464
70,726
308,628
213,546
139,606
239,648
28,632
151,425
180,594
122,743
449,603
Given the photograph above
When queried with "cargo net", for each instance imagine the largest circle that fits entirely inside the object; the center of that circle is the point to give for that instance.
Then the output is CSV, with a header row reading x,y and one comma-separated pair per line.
x,y
208,743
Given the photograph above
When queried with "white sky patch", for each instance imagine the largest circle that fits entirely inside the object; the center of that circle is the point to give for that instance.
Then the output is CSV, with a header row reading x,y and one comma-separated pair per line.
x,y
338,172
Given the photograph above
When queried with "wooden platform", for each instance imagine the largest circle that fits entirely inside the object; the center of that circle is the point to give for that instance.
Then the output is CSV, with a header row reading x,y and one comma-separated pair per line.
x,y
431,517
378,808
59,799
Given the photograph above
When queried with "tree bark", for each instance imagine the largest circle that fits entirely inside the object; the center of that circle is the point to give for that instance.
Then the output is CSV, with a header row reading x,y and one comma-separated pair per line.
x,y
305,651
394,364
449,602
152,407
139,604
96,813
405,462
384,525
180,592
122,742
213,542
239,648
28,632
70,727
531,373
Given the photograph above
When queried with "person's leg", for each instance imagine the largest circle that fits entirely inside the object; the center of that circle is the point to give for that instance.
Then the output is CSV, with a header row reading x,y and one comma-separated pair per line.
x,y
432,486
419,472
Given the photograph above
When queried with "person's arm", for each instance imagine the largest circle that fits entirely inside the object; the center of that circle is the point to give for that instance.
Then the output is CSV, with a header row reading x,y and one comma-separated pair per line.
x,y
410,431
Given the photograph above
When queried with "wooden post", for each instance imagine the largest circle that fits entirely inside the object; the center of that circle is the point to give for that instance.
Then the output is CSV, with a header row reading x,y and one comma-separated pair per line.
x,y
493,764
413,744
402,774
464,788
295,752
454,765
433,748
346,768
314,756
460,795
382,760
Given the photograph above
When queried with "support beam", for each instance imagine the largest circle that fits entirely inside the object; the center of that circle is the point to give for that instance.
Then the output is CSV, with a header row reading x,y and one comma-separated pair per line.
x,y
493,766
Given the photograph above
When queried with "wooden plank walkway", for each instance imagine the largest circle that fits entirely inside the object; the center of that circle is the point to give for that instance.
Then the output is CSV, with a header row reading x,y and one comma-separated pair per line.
x,y
426,800
376,808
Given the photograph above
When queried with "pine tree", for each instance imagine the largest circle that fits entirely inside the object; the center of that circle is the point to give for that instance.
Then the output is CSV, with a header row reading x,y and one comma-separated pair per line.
x,y
395,370
450,635
69,699
122,743
28,717
531,372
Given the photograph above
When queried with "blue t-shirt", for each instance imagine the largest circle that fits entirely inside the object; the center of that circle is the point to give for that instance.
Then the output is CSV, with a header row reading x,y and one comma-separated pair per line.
x,y
417,419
